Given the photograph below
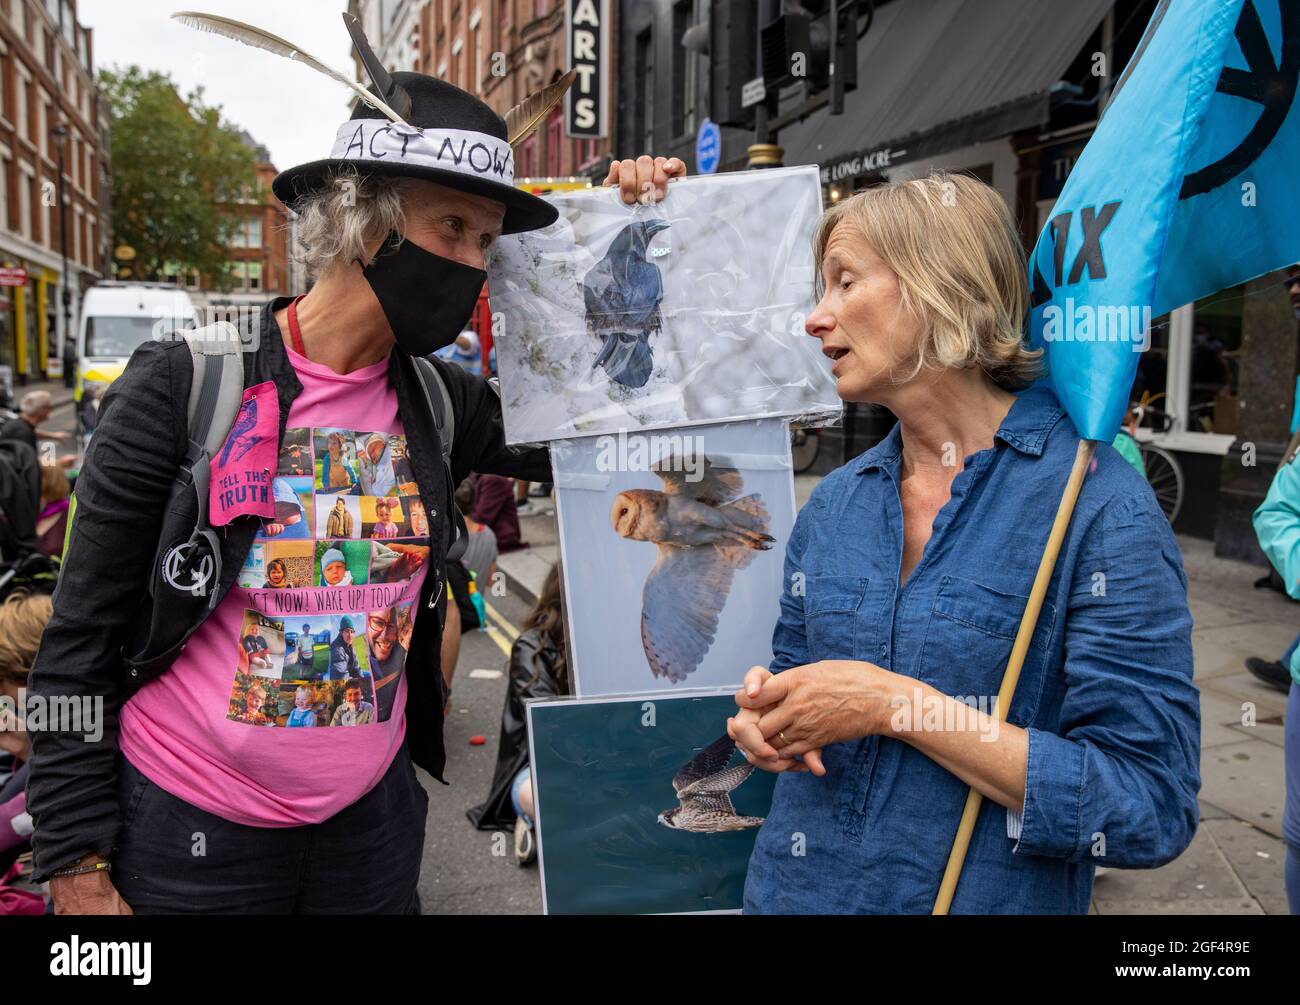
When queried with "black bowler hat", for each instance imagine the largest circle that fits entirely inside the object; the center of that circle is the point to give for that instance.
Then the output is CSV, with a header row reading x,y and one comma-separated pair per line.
x,y
455,139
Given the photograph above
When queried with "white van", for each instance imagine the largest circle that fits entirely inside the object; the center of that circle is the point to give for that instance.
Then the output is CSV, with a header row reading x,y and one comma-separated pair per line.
x,y
115,319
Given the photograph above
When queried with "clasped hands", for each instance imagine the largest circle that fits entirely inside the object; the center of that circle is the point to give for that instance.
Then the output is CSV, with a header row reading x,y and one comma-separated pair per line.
x,y
786,719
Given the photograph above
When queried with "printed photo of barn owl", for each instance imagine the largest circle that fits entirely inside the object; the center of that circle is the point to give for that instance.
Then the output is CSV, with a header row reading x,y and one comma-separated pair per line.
x,y
705,530
673,552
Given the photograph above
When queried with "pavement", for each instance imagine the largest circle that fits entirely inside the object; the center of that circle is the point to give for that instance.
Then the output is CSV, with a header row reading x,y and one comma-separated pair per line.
x,y
1235,863
467,871
60,396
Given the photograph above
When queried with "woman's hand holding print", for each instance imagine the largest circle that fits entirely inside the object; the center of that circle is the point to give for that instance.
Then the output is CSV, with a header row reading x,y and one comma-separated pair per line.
x,y
745,730
786,719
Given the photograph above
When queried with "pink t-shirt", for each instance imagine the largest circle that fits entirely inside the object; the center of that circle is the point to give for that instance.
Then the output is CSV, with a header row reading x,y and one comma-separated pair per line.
x,y
287,704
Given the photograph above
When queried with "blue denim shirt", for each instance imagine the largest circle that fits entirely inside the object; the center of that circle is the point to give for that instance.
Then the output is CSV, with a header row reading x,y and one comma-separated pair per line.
x,y
1106,691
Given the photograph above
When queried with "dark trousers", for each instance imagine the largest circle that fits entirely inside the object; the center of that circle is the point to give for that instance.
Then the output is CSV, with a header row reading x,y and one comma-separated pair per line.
x,y
174,858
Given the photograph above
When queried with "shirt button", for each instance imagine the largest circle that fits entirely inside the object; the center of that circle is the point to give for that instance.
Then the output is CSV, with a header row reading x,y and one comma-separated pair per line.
x,y
884,650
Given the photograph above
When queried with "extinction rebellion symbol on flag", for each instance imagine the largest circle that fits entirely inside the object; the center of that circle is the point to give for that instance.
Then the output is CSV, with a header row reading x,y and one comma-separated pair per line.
x,y
1270,85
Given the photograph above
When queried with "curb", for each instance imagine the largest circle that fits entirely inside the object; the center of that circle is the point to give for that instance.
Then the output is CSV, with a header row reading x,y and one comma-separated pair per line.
x,y
516,585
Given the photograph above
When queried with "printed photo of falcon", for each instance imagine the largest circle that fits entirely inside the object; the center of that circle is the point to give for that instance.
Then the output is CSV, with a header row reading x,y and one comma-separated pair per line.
x,y
704,785
705,530
622,293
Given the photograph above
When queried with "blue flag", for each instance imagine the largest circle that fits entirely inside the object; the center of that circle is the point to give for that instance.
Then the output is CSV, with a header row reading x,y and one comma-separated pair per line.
x,y
1190,184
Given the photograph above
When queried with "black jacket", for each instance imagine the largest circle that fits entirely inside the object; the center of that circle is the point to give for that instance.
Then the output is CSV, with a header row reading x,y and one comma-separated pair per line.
x,y
116,623
20,499
532,675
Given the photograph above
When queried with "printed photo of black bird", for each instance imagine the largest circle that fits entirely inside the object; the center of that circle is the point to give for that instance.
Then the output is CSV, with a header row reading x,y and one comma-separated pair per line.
x,y
622,293
704,785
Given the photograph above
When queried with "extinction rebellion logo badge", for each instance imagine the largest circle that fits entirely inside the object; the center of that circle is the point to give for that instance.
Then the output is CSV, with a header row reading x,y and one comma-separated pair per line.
x,y
180,561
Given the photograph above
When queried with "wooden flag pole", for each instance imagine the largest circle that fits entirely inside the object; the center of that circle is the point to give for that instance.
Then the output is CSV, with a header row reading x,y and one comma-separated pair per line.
x,y
957,857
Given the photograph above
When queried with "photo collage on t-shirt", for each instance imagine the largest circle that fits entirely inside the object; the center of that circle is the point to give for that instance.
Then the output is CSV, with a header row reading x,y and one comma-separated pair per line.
x,y
331,582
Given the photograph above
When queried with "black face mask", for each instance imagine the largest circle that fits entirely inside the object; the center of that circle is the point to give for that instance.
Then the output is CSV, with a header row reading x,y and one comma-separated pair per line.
x,y
427,299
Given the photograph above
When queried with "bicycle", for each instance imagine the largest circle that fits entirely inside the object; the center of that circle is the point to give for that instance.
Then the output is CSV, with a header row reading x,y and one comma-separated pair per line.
x,y
804,446
1164,473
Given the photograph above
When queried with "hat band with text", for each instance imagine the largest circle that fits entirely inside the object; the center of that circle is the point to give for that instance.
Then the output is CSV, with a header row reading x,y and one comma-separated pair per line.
x,y
474,154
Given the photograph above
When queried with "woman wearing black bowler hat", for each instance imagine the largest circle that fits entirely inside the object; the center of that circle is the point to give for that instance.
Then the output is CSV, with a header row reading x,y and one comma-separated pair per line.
x,y
393,224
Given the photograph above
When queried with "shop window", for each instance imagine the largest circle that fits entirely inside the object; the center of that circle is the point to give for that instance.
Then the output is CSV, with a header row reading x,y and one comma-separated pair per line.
x,y
1212,398
584,152
527,152
554,143
20,110
643,73
683,72
1188,378
25,206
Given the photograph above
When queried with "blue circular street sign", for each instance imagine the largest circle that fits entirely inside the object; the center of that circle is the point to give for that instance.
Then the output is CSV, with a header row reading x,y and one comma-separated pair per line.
x,y
708,147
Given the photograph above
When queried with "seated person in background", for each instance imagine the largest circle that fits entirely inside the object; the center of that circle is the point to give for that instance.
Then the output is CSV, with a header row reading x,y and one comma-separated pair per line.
x,y
480,556
538,669
52,523
494,505
20,500
22,620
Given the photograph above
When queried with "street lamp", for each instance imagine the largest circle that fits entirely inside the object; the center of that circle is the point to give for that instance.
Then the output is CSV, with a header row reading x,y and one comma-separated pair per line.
x,y
60,134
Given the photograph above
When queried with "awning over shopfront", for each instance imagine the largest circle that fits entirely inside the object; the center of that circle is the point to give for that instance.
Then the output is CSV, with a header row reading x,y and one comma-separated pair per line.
x,y
937,75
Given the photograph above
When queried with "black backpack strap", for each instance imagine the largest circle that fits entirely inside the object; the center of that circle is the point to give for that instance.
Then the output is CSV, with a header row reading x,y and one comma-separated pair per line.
x,y
444,420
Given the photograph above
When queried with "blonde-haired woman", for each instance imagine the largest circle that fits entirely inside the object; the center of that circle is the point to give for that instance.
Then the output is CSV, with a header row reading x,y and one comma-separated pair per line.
x,y
906,576
23,617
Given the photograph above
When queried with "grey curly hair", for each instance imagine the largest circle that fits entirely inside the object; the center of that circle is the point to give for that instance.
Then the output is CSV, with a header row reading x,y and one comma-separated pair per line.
x,y
341,221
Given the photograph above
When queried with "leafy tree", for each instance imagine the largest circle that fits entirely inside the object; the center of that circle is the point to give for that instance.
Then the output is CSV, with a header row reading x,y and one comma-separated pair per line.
x,y
175,163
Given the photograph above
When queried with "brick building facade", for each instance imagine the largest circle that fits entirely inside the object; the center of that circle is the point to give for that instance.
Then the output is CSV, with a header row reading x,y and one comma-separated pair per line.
x,y
46,82
499,50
